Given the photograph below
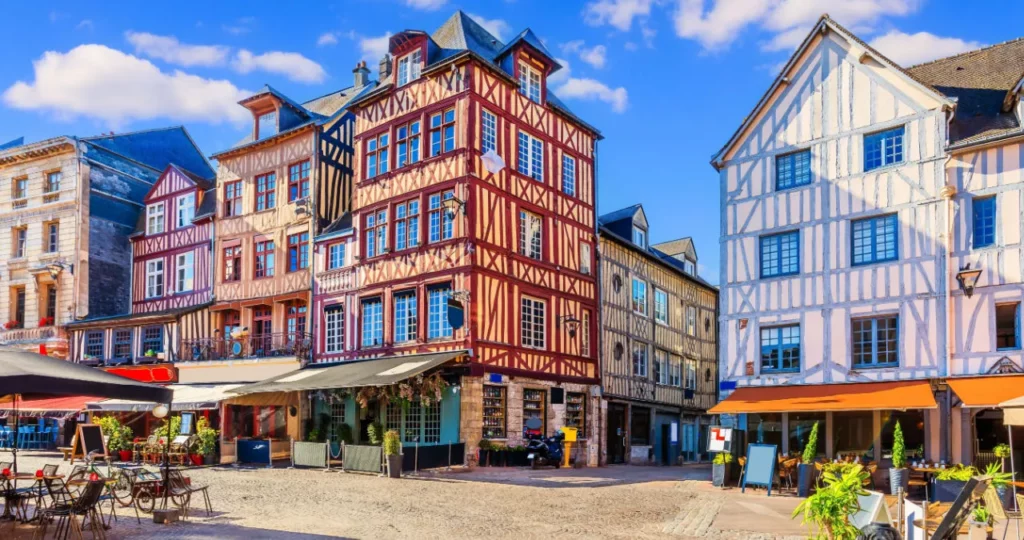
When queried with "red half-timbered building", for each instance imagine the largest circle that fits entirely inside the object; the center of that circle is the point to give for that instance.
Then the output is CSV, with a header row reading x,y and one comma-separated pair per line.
x,y
474,182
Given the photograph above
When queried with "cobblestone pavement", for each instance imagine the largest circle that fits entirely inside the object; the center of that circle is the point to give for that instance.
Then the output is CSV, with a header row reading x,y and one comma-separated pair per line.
x,y
610,502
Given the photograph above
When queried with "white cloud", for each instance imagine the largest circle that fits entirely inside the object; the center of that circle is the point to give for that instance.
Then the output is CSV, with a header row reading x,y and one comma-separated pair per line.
x,y
720,25
169,49
374,48
617,13
910,49
292,65
562,74
786,41
428,5
98,82
85,24
498,27
590,89
790,13
595,56
327,38
241,26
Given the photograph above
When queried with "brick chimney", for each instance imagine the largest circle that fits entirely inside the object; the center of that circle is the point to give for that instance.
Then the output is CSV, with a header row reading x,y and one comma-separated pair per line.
x,y
362,74
385,67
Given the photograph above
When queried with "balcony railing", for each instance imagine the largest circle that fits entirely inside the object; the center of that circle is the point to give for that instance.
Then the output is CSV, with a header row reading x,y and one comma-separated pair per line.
x,y
30,335
253,346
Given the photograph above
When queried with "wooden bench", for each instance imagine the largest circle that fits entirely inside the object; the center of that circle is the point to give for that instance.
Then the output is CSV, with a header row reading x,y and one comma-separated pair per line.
x,y
66,450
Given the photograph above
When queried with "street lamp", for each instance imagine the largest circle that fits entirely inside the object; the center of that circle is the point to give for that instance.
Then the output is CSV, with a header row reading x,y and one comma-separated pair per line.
x,y
452,205
571,324
160,412
968,278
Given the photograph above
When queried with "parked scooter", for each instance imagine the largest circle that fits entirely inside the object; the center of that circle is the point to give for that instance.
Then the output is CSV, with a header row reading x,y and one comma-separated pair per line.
x,y
543,451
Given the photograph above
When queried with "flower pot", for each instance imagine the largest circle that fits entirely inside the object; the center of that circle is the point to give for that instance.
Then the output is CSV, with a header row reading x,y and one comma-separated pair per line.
x,y
196,459
394,466
898,478
805,479
977,530
1005,496
720,475
124,455
946,490
501,458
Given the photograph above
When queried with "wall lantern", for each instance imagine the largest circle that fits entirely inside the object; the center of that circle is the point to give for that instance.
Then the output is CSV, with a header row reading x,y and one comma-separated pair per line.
x,y
55,269
453,205
570,323
968,279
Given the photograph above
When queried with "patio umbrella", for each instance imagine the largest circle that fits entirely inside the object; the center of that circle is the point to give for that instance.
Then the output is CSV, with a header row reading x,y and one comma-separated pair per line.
x,y
1013,415
34,375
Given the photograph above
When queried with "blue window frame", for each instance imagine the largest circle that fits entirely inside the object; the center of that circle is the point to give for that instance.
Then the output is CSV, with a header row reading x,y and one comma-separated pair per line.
x,y
1008,327
984,221
780,254
875,239
437,312
875,341
780,349
883,148
373,323
793,170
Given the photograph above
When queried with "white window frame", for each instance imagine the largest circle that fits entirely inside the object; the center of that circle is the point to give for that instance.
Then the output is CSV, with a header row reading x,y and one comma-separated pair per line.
x,y
533,320
585,257
185,268
531,241
569,175
643,299
530,82
675,377
186,207
530,156
640,236
690,374
409,67
334,329
154,278
488,131
645,365
691,320
336,256
155,218
661,360
661,307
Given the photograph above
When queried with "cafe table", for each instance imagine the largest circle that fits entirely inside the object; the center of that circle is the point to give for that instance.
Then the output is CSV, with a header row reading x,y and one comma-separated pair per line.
x,y
9,488
40,484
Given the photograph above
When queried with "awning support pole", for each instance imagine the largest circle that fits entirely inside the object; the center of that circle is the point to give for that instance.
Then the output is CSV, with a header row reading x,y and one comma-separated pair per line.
x,y
1009,434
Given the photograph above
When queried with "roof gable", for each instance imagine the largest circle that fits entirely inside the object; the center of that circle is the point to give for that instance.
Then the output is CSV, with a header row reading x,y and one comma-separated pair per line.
x,y
175,179
157,148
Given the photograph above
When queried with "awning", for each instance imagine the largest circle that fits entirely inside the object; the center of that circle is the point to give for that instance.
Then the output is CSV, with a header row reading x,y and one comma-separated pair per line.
x,y
1013,412
376,372
829,397
187,397
990,391
51,408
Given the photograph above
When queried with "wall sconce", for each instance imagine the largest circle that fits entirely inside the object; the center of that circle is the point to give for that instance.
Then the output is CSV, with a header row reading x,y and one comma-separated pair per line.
x,y
968,279
570,323
55,269
453,205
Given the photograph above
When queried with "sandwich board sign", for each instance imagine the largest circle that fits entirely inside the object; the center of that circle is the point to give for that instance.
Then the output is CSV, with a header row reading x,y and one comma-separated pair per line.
x,y
760,468
719,439
88,439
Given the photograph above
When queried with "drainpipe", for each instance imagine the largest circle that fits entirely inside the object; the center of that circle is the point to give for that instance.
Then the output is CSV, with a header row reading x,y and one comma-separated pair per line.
x,y
314,190
602,416
947,193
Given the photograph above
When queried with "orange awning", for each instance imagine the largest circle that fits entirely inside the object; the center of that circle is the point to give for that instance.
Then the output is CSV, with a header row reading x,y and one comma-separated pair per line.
x,y
829,397
35,407
987,391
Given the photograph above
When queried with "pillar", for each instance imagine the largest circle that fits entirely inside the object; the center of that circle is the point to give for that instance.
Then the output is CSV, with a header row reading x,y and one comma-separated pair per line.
x,y
785,434
828,436
876,422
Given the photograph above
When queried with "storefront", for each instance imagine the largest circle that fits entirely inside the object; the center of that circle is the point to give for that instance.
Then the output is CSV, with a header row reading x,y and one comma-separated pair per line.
x,y
977,420
202,399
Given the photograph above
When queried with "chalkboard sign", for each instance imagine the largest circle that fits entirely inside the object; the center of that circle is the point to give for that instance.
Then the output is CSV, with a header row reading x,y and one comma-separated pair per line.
x,y
89,438
760,468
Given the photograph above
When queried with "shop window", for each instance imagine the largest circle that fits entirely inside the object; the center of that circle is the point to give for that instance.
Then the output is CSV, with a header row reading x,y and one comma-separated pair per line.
x,y
273,422
640,427
122,343
766,429
576,412
912,425
494,412
535,406
94,344
153,339
853,434
800,426
393,417
413,422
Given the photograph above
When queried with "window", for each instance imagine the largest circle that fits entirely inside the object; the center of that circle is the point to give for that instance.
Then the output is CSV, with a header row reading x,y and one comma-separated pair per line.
x,y
52,237
334,329
155,218
984,221
441,221
409,67
298,181
413,421
585,337
1008,326
185,267
377,155
488,132
883,148
408,139
405,316
640,359
186,206
530,234
295,320
494,412
233,198
576,412
19,238
442,132
780,254
437,311
639,236
690,377
51,302
51,188
792,170
569,176
376,233
298,252
675,373
780,348
660,306
266,125
531,157
661,375
689,267
691,320
94,344
264,258
266,191
233,263
407,224
585,259
373,322
337,418
155,278
533,325
122,343
153,339
875,341
19,306
875,239
535,406
336,256
529,82
639,296
19,192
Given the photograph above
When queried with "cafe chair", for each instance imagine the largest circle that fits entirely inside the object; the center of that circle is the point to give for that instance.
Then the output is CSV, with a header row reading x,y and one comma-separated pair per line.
x,y
68,513
918,480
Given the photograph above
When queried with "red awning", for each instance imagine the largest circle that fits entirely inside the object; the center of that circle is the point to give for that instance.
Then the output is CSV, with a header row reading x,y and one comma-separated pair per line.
x,y
62,406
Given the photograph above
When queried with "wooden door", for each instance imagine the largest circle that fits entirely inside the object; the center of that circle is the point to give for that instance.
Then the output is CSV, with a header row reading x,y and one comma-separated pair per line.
x,y
616,433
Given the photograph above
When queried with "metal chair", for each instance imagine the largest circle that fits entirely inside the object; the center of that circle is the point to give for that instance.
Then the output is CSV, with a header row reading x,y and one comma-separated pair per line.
x,y
68,513
182,492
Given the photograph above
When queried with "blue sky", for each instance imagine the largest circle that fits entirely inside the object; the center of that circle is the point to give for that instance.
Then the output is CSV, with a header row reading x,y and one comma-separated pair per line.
x,y
667,81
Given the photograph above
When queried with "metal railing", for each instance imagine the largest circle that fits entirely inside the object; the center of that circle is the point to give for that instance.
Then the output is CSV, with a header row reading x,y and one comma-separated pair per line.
x,y
253,346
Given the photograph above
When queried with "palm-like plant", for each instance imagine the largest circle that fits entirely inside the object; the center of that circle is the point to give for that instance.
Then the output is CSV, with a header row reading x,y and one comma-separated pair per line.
x,y
830,508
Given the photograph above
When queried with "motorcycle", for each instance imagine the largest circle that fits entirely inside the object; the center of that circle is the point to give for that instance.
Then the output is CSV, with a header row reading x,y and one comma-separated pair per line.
x,y
545,451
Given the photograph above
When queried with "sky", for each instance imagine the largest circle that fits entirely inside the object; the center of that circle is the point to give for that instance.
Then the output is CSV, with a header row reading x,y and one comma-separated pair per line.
x,y
666,81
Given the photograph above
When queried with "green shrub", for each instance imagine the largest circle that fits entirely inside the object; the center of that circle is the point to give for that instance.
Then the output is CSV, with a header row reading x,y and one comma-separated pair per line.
x,y
119,437
831,506
485,444
811,450
999,478
206,438
1002,450
722,458
899,448
392,443
345,433
375,432
175,428
980,514
315,435
958,473
840,469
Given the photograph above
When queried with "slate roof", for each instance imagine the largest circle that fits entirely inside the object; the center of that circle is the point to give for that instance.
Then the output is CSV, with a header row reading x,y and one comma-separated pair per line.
x,y
157,148
981,82
339,225
620,214
676,247
207,206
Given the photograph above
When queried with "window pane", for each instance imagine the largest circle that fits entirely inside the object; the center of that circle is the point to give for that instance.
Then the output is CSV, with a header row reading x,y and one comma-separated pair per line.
x,y
984,221
793,170
853,433
800,426
1008,326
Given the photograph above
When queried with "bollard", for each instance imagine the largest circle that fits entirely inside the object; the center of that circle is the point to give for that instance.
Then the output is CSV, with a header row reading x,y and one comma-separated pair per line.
x,y
416,458
449,456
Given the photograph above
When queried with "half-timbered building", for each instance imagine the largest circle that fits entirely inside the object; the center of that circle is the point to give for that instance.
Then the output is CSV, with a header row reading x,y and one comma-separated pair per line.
x,y
859,200
659,325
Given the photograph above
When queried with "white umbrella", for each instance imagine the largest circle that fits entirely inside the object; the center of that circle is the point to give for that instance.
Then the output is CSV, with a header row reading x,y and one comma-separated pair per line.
x,y
1013,415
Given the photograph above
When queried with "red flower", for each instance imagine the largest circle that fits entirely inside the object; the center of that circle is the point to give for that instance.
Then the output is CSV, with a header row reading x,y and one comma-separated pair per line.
x,y
46,321
12,324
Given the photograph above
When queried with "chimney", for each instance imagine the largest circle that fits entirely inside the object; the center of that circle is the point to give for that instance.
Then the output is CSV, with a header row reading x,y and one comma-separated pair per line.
x,y
385,67
362,74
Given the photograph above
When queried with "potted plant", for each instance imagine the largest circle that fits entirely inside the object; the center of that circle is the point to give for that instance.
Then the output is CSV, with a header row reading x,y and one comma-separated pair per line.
x,y
119,437
980,519
483,454
10,325
1002,451
393,451
205,443
805,471
150,353
46,321
375,432
499,455
950,481
1001,481
899,476
720,469
831,506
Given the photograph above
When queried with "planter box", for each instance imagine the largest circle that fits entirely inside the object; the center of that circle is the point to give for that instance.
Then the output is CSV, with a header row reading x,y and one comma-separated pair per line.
x,y
806,474
394,466
946,490
720,475
898,478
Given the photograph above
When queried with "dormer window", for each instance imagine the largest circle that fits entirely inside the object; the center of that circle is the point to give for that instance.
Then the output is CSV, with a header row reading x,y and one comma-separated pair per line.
x,y
640,236
266,125
529,82
689,267
155,218
409,67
